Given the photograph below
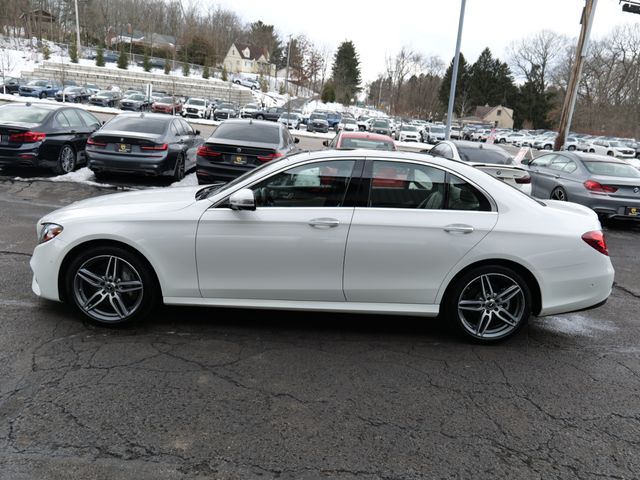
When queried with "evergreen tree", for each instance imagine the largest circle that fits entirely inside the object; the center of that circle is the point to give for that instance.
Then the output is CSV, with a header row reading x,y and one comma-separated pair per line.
x,y
146,62
281,90
46,53
225,75
100,57
205,72
328,93
167,64
186,69
533,102
461,105
490,81
346,72
264,87
264,36
73,52
123,60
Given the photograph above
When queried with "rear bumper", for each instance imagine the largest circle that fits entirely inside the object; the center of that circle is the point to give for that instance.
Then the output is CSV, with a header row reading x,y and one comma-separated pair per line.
x,y
99,162
24,157
222,171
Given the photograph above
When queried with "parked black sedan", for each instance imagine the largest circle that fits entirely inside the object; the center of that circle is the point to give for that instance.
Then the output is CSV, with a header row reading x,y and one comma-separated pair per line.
x,y
145,144
73,94
237,146
12,85
44,135
105,98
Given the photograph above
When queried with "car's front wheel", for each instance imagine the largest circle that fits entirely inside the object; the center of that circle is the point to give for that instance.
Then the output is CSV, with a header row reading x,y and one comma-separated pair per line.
x,y
111,285
489,303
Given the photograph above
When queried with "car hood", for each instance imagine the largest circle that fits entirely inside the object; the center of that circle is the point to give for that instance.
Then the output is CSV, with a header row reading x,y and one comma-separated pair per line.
x,y
129,204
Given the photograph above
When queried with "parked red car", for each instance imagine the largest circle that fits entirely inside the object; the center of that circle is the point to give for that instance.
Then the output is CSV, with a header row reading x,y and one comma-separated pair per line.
x,y
368,140
167,105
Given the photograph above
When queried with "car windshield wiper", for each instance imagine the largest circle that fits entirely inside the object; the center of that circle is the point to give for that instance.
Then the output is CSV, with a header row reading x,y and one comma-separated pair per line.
x,y
206,191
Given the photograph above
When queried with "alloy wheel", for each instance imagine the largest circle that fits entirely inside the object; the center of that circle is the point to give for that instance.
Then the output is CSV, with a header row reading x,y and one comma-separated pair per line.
x,y
559,194
108,288
491,306
67,159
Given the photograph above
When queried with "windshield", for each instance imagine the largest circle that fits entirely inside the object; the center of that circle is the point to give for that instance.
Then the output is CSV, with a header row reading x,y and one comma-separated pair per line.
x,y
247,132
226,105
250,105
154,126
291,116
409,128
381,124
617,144
612,169
318,116
437,129
136,97
349,121
484,155
22,114
105,93
165,100
192,101
38,83
366,143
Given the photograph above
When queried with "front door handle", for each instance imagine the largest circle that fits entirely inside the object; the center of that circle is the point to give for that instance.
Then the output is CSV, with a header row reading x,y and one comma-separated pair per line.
x,y
324,223
458,228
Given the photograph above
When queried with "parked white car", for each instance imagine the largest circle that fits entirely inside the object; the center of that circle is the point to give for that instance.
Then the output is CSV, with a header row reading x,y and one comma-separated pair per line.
x,y
251,83
348,125
291,120
408,133
197,108
249,110
612,148
433,133
449,240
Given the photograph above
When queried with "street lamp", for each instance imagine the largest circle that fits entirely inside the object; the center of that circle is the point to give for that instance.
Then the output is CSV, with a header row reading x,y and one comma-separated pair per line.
x,y
454,74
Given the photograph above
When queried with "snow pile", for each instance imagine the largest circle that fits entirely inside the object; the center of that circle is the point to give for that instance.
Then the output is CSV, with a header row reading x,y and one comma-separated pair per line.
x,y
189,180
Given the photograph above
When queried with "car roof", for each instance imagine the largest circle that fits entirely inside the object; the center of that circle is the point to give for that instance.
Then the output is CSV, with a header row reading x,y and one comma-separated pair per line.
x,y
476,145
45,106
145,115
592,157
251,121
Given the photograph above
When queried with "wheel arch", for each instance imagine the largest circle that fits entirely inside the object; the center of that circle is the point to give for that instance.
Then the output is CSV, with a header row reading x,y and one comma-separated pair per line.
x,y
536,294
64,266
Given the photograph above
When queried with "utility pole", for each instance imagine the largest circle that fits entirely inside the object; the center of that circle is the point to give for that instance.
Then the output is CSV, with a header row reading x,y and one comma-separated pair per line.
x,y
576,72
286,80
77,30
454,74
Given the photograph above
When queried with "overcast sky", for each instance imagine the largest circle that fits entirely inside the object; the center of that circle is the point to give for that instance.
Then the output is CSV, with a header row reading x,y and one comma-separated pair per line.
x,y
380,28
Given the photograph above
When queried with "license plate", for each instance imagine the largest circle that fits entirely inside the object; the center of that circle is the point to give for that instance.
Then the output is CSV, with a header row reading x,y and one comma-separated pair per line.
x,y
239,159
124,148
633,211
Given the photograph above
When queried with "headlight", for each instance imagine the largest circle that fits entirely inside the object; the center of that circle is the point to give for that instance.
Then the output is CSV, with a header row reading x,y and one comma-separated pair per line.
x,y
49,231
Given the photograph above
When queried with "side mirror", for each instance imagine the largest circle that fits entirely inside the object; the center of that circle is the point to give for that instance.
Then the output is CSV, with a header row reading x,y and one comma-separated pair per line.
x,y
296,140
324,142
197,132
243,200
49,86
525,161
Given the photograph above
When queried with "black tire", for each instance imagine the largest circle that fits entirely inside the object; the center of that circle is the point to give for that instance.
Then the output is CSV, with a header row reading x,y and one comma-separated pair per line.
x,y
560,194
67,160
610,154
259,117
547,147
100,176
95,283
571,148
502,140
591,150
478,300
178,173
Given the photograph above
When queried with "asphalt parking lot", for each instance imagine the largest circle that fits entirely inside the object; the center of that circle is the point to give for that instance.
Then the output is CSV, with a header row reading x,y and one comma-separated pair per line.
x,y
244,394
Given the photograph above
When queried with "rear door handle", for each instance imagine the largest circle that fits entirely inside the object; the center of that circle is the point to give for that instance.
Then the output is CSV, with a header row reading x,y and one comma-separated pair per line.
x,y
458,228
324,223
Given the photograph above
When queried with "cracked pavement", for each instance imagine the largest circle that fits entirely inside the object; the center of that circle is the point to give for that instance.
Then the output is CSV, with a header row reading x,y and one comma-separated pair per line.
x,y
243,394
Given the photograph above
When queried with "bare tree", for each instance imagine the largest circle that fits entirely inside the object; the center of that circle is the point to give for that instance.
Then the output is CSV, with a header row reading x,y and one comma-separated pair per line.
x,y
541,52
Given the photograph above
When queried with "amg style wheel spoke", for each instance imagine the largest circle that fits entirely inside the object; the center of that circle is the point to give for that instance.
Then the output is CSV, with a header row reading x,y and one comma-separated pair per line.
x,y
483,323
130,286
90,277
508,294
487,290
94,300
118,305
473,305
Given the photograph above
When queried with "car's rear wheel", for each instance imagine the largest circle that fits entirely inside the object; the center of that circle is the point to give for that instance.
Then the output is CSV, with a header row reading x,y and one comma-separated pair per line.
x,y
42,95
178,173
260,117
571,148
559,193
547,147
610,154
66,160
489,303
111,285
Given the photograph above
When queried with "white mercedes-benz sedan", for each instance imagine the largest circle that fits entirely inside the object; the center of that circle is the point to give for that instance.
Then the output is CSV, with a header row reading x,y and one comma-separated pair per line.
x,y
349,231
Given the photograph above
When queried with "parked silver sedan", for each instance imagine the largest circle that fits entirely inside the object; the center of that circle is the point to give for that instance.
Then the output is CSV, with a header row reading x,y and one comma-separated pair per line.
x,y
605,184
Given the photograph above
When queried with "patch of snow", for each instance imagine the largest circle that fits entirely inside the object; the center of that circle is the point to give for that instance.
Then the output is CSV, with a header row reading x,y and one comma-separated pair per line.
x,y
83,175
189,180
576,324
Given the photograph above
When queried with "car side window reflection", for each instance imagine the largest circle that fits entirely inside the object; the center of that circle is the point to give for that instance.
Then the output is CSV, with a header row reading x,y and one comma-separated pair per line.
x,y
543,161
321,184
406,185
570,167
462,195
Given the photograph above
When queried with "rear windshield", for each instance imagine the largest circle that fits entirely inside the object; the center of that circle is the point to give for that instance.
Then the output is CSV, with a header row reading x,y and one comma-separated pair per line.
x,y
247,132
482,155
22,114
154,126
366,143
612,169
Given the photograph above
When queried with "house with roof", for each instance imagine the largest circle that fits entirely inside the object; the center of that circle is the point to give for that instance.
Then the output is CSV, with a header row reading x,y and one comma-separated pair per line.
x,y
137,37
245,58
498,116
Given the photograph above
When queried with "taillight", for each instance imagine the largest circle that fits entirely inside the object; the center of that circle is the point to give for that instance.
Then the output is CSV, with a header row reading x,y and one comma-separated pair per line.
x,y
271,156
164,146
91,141
596,239
205,151
594,186
27,137
523,180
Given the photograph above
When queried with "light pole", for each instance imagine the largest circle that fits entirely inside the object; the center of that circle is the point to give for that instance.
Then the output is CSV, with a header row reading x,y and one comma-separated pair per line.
x,y
286,80
454,74
77,29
